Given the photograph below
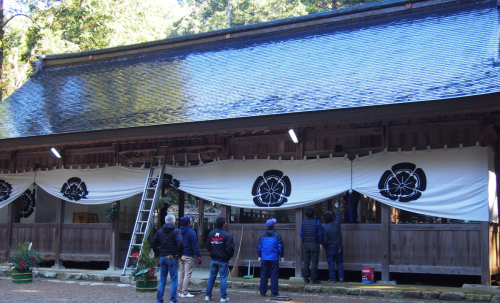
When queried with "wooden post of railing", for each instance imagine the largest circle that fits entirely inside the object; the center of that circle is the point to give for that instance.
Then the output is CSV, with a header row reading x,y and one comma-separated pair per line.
x,y
298,242
201,215
385,241
115,238
182,198
57,234
10,220
485,254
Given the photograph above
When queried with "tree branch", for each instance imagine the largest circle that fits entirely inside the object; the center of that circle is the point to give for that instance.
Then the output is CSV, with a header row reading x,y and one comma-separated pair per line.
x,y
17,15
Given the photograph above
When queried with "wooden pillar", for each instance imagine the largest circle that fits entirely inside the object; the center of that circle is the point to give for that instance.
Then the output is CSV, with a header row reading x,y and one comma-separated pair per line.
x,y
485,254
201,217
57,233
10,221
298,242
385,241
182,197
115,238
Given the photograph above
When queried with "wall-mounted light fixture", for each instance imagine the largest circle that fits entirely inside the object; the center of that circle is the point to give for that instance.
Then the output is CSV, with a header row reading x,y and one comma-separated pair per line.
x,y
293,136
56,153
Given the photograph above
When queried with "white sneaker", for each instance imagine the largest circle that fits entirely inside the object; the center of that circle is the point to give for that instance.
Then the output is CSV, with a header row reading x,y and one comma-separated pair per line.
x,y
207,298
188,295
224,300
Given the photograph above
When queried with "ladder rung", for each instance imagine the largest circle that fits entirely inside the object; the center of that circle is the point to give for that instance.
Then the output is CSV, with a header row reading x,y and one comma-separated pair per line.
x,y
139,233
148,210
142,221
136,244
151,188
153,178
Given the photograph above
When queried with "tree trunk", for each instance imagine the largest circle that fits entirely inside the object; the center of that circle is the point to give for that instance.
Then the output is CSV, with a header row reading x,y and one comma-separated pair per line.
x,y
228,15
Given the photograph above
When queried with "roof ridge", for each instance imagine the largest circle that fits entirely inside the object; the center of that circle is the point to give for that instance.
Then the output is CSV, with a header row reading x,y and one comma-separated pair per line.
x,y
350,14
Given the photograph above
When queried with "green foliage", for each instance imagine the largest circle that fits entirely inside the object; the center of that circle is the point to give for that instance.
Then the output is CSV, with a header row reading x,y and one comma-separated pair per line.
x,y
64,26
111,213
23,257
144,263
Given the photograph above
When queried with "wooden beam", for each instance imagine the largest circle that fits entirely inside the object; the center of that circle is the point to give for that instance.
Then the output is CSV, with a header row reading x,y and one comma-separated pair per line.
x,y
58,233
298,242
485,254
444,270
84,257
115,239
385,244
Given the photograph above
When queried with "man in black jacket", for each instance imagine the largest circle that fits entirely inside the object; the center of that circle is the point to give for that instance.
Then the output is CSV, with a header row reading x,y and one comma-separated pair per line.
x,y
168,241
221,247
333,244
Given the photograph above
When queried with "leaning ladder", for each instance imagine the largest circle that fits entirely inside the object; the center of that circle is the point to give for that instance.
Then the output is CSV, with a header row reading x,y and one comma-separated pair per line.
x,y
149,201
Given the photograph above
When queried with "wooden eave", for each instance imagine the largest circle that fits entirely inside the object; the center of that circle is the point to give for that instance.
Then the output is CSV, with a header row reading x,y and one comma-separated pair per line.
x,y
479,104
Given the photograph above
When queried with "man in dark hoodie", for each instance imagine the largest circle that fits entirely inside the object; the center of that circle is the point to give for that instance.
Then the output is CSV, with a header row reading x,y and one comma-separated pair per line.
x,y
270,250
186,263
333,244
168,241
221,247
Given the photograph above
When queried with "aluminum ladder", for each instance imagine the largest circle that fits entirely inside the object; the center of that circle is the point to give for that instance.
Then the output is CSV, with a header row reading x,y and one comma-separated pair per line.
x,y
149,202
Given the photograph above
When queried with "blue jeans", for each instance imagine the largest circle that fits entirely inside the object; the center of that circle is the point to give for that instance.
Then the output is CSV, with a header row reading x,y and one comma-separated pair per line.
x,y
168,266
222,269
269,268
335,255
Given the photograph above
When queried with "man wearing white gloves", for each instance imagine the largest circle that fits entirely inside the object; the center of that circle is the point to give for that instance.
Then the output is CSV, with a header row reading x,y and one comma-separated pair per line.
x,y
270,250
332,236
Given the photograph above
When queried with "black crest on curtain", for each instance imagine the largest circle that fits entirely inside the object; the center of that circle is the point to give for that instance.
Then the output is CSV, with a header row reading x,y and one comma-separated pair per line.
x,y
28,203
272,189
169,182
74,189
404,182
5,190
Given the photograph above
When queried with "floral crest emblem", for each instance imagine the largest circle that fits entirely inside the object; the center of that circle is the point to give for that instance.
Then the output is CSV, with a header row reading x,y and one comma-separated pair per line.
x,y
74,189
404,182
27,203
272,189
5,190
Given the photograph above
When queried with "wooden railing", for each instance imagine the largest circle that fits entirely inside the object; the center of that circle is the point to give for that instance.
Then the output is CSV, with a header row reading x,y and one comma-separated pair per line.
x,y
414,248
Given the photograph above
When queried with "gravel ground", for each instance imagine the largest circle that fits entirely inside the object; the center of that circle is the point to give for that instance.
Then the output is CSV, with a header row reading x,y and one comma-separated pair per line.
x,y
42,290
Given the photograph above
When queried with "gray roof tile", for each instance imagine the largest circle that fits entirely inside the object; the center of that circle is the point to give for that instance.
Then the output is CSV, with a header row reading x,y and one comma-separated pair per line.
x,y
438,54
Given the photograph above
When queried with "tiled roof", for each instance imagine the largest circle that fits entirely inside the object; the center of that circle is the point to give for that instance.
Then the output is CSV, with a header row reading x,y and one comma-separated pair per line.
x,y
429,55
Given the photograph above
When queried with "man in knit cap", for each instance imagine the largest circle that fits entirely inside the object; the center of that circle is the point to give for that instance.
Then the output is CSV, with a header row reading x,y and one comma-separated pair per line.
x,y
186,262
270,251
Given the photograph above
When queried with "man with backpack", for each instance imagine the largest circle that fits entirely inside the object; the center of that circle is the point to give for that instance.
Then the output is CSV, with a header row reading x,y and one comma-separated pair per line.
x,y
221,247
168,241
270,250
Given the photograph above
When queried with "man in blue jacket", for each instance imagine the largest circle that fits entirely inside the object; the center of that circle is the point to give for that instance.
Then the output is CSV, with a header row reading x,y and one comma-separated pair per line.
x,y
311,232
270,250
333,244
186,262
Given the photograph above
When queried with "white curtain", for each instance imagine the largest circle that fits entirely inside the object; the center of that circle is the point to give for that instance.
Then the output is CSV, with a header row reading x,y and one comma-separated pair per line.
x,y
269,184
94,186
13,185
454,183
